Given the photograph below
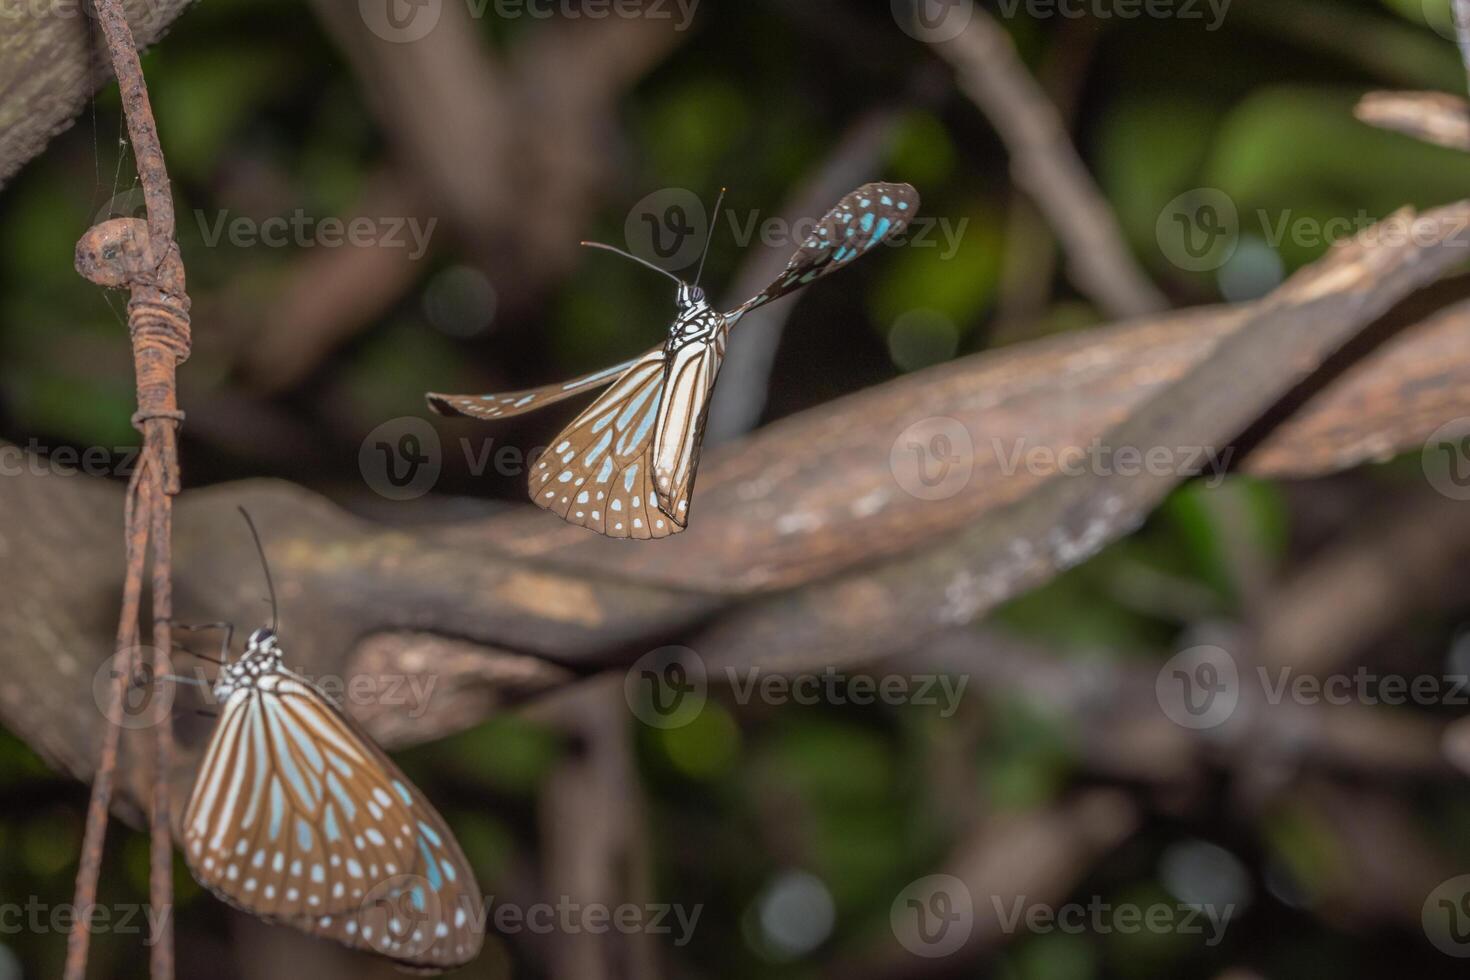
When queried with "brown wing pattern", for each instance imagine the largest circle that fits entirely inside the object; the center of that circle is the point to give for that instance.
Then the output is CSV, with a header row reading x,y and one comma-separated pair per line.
x,y
597,473
508,404
297,816
861,221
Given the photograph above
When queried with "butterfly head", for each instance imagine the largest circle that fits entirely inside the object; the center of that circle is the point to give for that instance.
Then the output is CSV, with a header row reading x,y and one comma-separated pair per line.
x,y
262,657
691,299
262,640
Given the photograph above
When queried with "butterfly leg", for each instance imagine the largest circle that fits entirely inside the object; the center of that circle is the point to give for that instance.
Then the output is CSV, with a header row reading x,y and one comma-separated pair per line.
x,y
224,649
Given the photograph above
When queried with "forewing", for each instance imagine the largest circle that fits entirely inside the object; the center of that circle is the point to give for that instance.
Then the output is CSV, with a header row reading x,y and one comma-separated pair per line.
x,y
860,222
679,433
597,473
430,915
507,404
291,813
297,816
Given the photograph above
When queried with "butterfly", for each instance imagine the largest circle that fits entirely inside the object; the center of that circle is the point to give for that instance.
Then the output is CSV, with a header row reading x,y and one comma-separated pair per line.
x,y
296,816
625,467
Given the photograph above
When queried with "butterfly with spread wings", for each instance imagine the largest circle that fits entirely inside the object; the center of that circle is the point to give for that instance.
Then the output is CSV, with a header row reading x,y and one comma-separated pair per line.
x,y
297,817
625,467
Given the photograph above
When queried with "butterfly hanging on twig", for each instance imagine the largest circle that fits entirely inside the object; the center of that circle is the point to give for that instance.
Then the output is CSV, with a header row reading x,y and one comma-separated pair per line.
x,y
625,467
297,817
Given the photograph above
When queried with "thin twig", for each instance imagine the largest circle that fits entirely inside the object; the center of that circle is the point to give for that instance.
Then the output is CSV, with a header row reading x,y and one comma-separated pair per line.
x,y
1434,117
1045,163
1461,10
161,850
144,258
125,653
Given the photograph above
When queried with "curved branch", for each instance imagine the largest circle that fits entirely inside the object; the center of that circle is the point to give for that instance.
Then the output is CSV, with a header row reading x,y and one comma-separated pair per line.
x,y
500,609
52,62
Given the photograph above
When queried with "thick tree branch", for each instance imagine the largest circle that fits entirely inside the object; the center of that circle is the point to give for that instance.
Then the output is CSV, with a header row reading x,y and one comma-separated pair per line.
x,y
51,63
501,609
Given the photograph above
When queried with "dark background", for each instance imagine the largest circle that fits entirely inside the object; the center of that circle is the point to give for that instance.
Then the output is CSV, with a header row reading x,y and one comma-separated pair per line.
x,y
811,817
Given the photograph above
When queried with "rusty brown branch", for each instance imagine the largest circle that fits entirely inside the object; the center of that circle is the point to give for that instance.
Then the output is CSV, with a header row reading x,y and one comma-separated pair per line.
x,y
143,257
125,656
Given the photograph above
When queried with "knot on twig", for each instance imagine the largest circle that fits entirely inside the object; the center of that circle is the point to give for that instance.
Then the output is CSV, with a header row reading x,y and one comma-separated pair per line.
x,y
140,418
119,253
160,322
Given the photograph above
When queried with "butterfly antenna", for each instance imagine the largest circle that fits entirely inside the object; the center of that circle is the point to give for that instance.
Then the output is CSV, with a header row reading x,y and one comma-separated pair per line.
x,y
630,255
711,237
265,566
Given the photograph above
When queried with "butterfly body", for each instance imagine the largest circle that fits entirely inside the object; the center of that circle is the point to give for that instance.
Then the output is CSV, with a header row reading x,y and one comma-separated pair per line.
x,y
697,322
261,661
297,817
625,467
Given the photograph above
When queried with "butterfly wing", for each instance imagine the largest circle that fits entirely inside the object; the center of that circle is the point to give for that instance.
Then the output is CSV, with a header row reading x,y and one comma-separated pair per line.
x,y
297,816
511,403
682,413
597,473
860,222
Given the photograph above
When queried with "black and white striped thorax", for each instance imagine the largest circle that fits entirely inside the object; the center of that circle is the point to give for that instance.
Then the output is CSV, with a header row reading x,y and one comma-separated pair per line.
x,y
262,658
697,322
